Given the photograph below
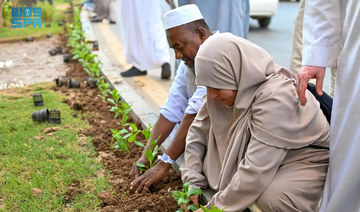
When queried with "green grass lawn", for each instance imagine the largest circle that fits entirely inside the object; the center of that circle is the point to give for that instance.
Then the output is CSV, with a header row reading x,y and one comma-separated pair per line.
x,y
31,158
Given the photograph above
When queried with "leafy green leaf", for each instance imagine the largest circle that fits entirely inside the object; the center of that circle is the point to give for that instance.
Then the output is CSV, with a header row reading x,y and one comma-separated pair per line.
x,y
111,101
149,156
194,191
204,209
192,207
133,127
179,210
140,164
138,143
123,131
177,195
155,151
132,137
186,187
183,201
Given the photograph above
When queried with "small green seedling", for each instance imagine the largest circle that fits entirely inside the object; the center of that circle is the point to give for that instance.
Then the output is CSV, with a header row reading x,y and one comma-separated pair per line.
x,y
124,137
183,198
121,141
104,88
116,101
151,150
213,209
124,111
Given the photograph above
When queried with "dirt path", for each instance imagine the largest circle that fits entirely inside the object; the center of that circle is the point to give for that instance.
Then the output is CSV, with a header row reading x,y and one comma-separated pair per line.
x,y
23,63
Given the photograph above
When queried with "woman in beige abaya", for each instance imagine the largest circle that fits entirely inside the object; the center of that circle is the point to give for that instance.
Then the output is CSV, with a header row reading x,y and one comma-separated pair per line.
x,y
251,141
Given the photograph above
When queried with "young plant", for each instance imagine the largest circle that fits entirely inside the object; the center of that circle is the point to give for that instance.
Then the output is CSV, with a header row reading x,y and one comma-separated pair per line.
x,y
116,101
151,150
121,142
124,110
124,137
183,197
213,209
104,88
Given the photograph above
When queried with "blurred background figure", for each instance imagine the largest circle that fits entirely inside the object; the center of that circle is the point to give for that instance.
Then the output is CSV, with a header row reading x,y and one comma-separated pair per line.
x,y
224,15
104,9
144,37
89,5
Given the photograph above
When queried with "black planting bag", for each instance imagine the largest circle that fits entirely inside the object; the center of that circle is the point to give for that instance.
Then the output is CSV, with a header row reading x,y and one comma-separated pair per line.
x,y
325,101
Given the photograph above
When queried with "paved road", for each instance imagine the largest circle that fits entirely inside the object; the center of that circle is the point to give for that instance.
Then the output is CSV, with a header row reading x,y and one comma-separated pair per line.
x,y
277,38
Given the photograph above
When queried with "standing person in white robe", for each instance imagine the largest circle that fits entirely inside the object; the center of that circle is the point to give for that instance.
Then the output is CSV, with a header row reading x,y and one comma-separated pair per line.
x,y
329,24
224,15
104,9
143,36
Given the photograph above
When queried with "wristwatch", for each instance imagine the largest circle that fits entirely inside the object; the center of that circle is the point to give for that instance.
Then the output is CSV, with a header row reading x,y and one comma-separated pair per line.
x,y
166,159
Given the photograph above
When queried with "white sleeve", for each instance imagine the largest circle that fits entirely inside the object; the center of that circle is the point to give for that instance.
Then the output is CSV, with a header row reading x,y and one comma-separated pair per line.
x,y
177,101
196,101
323,20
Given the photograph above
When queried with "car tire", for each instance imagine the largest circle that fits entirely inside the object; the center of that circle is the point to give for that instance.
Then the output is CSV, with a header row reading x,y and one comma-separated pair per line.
x,y
264,22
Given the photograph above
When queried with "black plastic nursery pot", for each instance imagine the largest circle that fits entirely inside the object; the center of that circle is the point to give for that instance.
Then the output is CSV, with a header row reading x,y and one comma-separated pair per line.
x,y
52,52
41,115
61,81
96,45
48,25
74,83
29,39
67,58
91,82
54,117
58,50
38,99
48,35
60,23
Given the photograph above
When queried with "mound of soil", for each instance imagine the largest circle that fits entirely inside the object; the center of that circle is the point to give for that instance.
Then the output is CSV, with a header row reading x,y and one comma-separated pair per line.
x,y
86,101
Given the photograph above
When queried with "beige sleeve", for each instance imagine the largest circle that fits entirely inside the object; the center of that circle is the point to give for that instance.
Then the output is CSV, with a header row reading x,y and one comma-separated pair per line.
x,y
195,149
254,174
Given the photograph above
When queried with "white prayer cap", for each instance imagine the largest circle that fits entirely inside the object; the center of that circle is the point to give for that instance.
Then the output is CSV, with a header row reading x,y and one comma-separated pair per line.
x,y
182,15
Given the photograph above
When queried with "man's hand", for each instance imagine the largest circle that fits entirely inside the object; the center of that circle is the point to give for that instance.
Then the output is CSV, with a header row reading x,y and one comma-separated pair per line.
x,y
135,171
151,176
193,200
305,74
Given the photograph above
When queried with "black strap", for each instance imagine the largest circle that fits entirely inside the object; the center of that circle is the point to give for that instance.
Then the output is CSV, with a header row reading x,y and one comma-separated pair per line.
x,y
325,101
318,147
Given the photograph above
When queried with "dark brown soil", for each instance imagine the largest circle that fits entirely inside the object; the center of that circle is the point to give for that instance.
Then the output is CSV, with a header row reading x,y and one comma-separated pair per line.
x,y
88,105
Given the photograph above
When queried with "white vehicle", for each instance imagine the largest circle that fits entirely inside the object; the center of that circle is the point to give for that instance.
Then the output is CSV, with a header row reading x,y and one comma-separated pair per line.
x,y
263,10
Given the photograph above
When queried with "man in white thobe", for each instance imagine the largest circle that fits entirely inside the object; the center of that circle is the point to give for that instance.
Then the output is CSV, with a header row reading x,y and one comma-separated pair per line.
x,y
186,30
329,24
143,37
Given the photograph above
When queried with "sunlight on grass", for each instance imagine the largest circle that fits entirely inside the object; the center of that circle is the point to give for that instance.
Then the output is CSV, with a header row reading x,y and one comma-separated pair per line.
x,y
31,158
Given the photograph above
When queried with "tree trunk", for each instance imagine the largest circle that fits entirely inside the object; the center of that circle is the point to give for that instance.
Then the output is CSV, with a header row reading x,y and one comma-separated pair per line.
x,y
1,18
